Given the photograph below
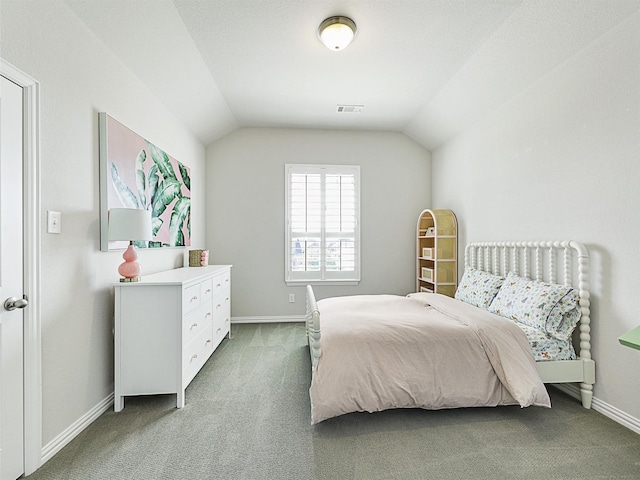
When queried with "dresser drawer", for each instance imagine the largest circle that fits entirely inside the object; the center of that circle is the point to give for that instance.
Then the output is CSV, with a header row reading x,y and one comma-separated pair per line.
x,y
206,289
221,282
196,353
221,327
196,321
191,297
222,303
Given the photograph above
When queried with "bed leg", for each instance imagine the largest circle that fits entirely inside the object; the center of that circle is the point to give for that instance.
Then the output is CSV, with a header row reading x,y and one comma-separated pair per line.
x,y
586,394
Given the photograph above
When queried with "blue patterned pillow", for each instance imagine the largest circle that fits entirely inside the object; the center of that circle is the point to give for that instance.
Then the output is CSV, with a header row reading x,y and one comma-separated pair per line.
x,y
566,315
537,304
478,288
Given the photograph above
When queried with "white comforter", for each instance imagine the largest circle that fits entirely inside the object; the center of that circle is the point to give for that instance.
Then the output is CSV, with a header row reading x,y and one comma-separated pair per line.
x,y
425,350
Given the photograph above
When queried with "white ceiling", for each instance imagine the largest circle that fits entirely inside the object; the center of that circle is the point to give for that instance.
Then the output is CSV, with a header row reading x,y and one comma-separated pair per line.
x,y
427,68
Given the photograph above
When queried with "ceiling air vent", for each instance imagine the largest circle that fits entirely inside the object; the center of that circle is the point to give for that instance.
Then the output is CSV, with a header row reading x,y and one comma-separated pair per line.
x,y
350,108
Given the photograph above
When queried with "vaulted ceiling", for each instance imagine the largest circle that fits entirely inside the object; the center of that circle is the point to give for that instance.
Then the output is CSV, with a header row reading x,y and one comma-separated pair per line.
x,y
427,68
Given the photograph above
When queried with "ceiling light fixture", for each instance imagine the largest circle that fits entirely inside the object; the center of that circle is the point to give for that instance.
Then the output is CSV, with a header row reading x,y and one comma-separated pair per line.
x,y
337,32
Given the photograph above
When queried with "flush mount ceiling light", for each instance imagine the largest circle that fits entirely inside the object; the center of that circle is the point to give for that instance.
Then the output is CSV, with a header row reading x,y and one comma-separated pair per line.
x,y
337,32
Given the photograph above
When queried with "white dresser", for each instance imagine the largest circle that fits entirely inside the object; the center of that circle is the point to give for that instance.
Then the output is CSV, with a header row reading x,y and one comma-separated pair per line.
x,y
166,327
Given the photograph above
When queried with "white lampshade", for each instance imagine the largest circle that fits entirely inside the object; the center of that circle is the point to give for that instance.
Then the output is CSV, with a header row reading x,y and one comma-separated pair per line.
x,y
129,224
337,32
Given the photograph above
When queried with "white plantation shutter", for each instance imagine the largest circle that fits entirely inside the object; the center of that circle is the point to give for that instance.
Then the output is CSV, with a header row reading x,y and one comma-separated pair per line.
x,y
323,231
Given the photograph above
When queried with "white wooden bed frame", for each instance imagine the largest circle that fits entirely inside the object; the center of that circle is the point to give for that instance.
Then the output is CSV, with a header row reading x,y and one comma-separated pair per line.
x,y
520,258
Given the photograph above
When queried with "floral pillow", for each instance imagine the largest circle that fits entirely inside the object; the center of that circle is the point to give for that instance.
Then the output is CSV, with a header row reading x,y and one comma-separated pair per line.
x,y
478,288
537,304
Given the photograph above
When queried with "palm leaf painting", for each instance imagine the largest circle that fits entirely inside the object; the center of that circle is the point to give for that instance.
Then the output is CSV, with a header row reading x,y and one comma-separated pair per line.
x,y
166,193
178,217
161,159
125,194
154,181
184,173
144,176
140,176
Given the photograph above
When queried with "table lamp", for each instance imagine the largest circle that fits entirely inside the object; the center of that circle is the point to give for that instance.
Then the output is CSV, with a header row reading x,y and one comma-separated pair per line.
x,y
129,224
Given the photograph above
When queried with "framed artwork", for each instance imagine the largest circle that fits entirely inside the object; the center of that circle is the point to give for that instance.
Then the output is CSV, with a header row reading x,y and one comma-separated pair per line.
x,y
135,173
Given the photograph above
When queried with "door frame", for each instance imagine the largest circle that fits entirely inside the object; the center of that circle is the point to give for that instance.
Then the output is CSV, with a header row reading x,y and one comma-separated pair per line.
x,y
32,240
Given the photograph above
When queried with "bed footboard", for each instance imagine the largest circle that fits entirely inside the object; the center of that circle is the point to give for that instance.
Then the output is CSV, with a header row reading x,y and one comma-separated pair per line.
x,y
313,326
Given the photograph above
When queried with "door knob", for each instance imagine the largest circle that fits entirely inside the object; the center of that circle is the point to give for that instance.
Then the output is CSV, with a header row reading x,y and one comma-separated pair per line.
x,y
12,303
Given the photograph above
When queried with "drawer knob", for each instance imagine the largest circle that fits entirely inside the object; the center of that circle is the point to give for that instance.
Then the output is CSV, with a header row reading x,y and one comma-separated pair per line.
x,y
207,290
194,325
218,306
207,342
218,330
195,297
194,356
218,286
208,314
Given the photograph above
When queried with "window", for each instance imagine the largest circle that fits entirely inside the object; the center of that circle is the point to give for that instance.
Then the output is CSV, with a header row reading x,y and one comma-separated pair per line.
x,y
323,223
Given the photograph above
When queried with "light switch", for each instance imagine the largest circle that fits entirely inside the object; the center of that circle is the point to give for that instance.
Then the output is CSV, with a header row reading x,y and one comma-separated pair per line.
x,y
53,222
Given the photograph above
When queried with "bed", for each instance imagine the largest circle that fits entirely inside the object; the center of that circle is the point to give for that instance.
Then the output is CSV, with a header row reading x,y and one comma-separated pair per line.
x,y
520,319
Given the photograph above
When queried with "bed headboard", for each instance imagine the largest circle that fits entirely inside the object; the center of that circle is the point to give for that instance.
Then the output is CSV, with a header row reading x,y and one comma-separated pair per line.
x,y
565,263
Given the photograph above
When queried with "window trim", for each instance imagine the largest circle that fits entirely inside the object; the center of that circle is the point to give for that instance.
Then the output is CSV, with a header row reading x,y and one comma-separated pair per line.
x,y
319,278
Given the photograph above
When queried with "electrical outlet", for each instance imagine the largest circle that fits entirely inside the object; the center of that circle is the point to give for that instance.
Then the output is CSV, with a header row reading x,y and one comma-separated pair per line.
x,y
292,298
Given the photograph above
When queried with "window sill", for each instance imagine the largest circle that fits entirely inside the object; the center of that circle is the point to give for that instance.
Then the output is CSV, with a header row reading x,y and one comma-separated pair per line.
x,y
298,283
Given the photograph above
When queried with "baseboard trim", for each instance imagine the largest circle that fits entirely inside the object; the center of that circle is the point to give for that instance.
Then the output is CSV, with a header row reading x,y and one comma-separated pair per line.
x,y
58,443
604,408
280,319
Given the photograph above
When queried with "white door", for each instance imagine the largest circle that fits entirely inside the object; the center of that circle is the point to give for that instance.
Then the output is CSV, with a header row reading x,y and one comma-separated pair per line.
x,y
11,282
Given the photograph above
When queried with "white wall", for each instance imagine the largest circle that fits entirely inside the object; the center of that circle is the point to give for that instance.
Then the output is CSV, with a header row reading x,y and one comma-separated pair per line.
x,y
78,79
246,210
562,161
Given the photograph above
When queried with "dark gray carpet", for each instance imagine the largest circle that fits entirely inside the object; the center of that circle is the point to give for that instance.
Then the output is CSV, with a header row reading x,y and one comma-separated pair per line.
x,y
247,417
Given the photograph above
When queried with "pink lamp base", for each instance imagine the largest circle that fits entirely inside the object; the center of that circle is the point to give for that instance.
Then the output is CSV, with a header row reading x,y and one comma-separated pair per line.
x,y
130,269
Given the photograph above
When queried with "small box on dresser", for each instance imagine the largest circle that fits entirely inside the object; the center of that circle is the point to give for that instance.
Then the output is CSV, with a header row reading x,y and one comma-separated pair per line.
x,y
166,328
